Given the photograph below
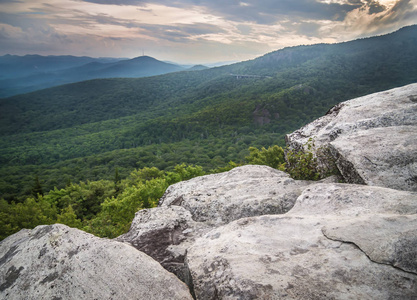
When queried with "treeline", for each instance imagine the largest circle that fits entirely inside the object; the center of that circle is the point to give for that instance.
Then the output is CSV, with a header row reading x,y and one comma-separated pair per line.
x,y
17,182
104,208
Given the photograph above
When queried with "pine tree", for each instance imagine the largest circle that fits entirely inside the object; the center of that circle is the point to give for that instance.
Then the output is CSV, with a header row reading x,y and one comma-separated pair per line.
x,y
117,181
37,188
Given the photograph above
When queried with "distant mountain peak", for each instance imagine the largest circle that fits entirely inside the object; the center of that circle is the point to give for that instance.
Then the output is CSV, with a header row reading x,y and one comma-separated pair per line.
x,y
197,68
144,57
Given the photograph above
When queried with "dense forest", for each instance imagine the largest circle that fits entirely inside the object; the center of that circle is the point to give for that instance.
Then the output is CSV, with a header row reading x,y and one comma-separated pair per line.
x,y
74,139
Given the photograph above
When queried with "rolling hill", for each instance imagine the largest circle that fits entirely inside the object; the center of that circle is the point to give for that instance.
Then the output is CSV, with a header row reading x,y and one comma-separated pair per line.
x,y
84,131
22,74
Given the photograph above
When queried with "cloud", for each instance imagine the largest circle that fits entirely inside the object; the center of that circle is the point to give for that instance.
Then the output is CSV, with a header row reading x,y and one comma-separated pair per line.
x,y
10,1
375,7
256,11
36,37
402,10
309,29
368,21
180,33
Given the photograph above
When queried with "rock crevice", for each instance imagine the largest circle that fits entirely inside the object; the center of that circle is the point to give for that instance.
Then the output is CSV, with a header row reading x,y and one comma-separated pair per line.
x,y
410,257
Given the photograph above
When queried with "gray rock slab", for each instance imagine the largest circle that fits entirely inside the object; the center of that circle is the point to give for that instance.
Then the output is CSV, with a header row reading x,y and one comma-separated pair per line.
x,y
379,156
385,239
382,222
242,192
289,257
352,200
339,241
372,138
58,262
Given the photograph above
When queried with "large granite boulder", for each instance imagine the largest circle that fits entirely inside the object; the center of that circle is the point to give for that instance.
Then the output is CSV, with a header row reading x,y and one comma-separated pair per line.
x,y
242,192
371,139
58,262
338,242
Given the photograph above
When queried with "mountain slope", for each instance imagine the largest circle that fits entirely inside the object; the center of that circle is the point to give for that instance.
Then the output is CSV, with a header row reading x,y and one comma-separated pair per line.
x,y
13,66
137,67
36,72
85,130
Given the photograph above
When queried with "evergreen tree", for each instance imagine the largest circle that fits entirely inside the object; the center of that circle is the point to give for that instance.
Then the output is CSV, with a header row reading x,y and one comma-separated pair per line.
x,y
117,181
37,188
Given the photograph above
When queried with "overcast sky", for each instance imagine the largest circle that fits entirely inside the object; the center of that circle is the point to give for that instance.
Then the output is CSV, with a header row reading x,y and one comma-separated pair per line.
x,y
191,31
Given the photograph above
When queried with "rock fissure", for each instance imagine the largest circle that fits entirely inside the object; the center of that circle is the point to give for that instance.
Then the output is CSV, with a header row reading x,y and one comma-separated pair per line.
x,y
366,254
370,161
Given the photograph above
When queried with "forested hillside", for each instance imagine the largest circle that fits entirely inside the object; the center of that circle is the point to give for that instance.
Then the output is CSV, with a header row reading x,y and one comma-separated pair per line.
x,y
85,131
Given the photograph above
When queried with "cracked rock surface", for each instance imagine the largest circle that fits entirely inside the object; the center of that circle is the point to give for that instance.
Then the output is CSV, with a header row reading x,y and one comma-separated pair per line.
x,y
58,262
372,139
339,241
385,239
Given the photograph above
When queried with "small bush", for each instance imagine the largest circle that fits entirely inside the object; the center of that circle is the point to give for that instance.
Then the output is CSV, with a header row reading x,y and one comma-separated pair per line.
x,y
302,164
310,163
273,157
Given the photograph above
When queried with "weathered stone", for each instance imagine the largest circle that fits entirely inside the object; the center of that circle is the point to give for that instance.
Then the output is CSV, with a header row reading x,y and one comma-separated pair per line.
x,y
385,239
274,257
389,158
58,262
381,222
339,241
242,192
350,200
372,139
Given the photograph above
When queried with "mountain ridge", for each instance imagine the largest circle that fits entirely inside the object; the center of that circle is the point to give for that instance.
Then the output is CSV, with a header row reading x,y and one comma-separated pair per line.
x,y
35,72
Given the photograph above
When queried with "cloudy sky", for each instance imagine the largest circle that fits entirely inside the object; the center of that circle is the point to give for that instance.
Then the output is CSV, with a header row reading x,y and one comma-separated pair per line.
x,y
191,31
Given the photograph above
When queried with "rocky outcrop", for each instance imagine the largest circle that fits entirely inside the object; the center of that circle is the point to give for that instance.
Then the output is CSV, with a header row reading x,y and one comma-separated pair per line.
x,y
371,139
350,200
58,262
254,233
346,246
191,208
